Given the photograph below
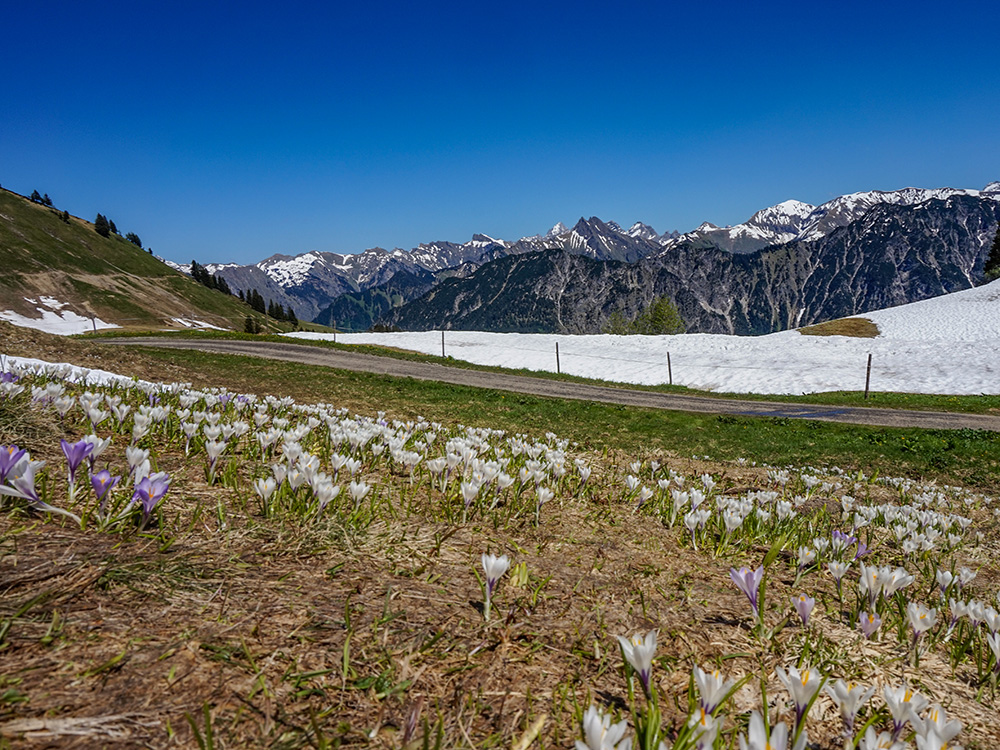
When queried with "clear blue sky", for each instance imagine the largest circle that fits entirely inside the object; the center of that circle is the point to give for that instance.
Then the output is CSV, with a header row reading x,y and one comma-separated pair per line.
x,y
235,132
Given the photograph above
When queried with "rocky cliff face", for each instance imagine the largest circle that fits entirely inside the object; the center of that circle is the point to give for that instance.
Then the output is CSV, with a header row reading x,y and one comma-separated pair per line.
x,y
312,282
891,255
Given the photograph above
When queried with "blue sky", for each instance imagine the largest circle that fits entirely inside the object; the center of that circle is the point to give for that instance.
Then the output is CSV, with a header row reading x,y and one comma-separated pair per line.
x,y
229,132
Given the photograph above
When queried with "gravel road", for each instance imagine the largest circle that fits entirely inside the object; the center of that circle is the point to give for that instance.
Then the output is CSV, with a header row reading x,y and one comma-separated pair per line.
x,y
345,360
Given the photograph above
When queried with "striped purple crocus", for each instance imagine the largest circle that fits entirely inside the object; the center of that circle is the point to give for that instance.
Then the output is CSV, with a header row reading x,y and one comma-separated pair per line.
x,y
148,493
748,581
103,483
10,455
75,454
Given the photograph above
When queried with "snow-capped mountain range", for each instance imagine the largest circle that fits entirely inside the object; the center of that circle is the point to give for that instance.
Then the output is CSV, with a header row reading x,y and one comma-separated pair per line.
x,y
310,281
793,220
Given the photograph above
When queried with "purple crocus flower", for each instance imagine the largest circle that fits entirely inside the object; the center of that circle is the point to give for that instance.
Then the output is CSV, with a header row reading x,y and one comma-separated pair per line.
x,y
103,483
868,623
804,604
22,484
149,491
748,581
22,480
75,454
840,541
10,455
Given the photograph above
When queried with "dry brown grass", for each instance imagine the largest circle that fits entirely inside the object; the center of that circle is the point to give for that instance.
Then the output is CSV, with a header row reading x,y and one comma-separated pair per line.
x,y
860,328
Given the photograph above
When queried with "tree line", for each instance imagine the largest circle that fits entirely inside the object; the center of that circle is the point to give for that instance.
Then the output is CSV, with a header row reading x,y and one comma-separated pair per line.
x,y
658,319
252,297
102,224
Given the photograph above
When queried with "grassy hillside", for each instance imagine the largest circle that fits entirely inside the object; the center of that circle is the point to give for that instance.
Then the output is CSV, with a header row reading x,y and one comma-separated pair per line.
x,y
109,278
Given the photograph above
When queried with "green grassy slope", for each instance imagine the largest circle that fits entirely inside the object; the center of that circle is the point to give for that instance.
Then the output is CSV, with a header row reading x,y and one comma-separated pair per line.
x,y
106,277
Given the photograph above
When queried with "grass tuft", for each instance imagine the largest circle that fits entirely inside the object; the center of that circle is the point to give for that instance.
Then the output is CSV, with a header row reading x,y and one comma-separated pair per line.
x,y
859,328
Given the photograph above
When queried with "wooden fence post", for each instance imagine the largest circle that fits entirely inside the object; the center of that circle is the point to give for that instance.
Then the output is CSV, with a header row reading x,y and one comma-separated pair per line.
x,y
868,375
558,371
670,372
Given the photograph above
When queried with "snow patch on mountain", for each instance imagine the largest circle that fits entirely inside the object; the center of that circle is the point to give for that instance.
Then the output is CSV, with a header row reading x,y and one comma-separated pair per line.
x,y
793,220
843,210
289,272
183,268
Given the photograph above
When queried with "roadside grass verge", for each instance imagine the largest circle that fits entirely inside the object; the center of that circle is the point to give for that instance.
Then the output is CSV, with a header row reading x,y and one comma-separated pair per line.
x,y
982,404
966,456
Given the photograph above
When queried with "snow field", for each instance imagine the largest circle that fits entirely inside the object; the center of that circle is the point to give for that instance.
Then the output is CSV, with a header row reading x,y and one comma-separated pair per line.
x,y
946,345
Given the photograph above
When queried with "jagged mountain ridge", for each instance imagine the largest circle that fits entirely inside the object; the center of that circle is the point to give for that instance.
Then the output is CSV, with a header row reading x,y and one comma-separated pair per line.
x,y
310,282
893,254
793,220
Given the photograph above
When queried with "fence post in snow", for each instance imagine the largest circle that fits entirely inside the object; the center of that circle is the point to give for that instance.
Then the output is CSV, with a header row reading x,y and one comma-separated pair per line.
x,y
558,371
868,375
93,323
334,324
670,372
442,344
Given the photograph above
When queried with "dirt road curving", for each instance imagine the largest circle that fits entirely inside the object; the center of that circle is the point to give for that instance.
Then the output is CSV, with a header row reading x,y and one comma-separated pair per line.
x,y
345,360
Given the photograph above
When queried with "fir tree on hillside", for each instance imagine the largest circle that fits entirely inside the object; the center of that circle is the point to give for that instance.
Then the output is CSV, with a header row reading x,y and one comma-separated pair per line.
x,y
212,280
134,239
101,225
991,271
660,318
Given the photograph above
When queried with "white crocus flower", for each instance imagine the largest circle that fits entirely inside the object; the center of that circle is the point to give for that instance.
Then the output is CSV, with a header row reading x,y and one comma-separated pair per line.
x,y
758,738
265,487
802,686
849,699
494,566
936,722
639,652
712,688
921,617
600,734
903,703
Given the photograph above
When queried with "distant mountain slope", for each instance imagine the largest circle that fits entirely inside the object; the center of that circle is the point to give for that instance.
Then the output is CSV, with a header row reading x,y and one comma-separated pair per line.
x,y
311,282
892,255
357,311
93,276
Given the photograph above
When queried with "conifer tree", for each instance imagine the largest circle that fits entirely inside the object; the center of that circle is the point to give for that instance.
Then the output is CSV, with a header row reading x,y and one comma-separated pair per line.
x,y
101,225
991,271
